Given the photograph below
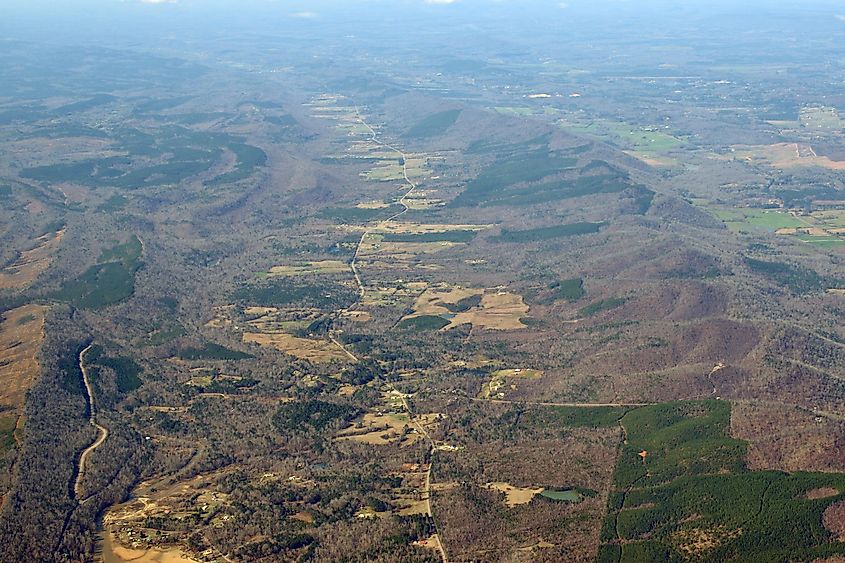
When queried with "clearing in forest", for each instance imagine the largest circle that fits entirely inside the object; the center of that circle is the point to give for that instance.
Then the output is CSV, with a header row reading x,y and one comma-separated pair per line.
x,y
31,263
515,496
310,349
21,335
309,268
494,309
500,378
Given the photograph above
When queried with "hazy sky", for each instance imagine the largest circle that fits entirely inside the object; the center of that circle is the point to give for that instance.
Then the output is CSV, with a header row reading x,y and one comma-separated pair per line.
x,y
108,20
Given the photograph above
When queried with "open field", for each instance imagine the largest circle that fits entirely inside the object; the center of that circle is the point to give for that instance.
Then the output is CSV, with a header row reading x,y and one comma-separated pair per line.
x,y
311,349
515,496
821,117
648,140
21,335
784,155
31,263
309,268
504,380
494,309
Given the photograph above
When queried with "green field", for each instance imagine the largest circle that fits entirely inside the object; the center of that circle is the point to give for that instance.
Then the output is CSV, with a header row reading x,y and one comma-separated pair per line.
x,y
693,484
624,135
569,495
568,290
7,432
738,220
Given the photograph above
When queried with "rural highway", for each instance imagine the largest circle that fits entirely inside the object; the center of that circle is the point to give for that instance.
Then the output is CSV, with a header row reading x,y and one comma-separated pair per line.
x,y
402,201
361,293
544,404
102,431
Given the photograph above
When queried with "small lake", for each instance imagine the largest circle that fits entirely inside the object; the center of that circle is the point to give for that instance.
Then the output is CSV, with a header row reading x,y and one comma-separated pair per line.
x,y
569,495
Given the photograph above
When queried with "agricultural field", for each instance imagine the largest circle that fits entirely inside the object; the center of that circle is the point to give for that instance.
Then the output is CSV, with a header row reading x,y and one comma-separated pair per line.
x,y
650,144
784,156
350,290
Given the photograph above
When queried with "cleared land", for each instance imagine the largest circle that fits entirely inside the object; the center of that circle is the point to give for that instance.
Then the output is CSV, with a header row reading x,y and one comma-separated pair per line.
x,y
313,350
21,335
515,495
309,268
31,263
784,155
494,309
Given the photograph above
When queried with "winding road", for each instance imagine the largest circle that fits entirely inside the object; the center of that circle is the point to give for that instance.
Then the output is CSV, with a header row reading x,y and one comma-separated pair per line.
x,y
102,431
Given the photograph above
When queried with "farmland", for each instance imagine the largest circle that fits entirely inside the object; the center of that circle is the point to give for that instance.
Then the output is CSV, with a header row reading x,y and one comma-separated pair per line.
x,y
406,281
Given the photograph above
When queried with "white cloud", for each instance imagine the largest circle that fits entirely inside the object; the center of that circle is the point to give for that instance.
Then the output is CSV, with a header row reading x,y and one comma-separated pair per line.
x,y
440,1
158,1
840,17
306,15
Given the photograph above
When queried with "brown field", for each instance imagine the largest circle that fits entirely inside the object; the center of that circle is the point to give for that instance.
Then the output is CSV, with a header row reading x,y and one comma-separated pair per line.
x,y
785,155
303,348
21,335
434,299
113,552
309,268
515,496
31,263
499,310
375,204
357,316
419,228
379,430
398,293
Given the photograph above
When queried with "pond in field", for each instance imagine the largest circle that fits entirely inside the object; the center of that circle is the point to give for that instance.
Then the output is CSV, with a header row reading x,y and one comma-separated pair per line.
x,y
569,495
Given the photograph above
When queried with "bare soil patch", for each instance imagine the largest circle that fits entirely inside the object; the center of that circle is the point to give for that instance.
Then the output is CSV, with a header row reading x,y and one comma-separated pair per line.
x,y
515,495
